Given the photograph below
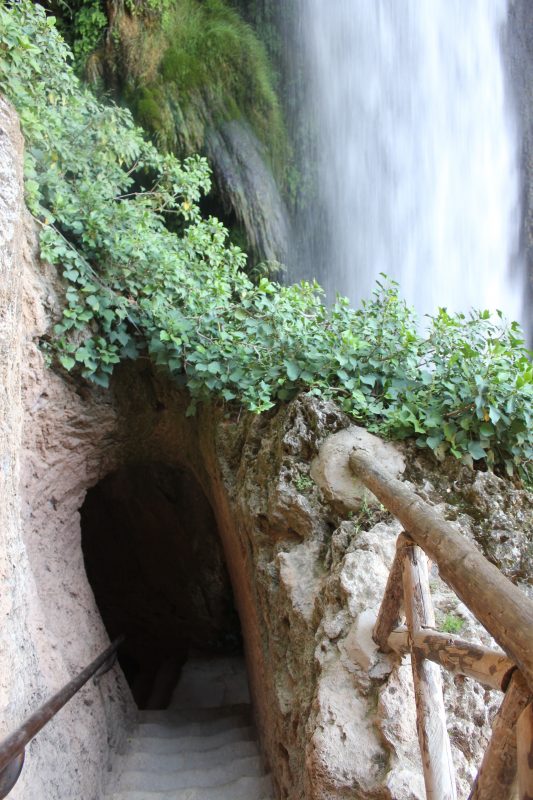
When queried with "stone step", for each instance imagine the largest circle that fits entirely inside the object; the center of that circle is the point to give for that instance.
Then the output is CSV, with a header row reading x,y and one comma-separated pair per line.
x,y
203,778
186,759
211,682
187,715
181,744
240,789
202,747
180,729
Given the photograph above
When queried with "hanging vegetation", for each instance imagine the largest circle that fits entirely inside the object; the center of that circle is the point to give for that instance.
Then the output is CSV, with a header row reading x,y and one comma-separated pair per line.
x,y
144,272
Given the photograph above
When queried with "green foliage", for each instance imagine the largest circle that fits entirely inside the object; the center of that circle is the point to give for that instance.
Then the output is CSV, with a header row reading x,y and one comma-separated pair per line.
x,y
452,624
89,25
303,483
108,201
82,23
210,67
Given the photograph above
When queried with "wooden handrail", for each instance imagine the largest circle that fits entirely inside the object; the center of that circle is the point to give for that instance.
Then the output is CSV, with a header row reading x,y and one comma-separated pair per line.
x,y
12,748
500,606
435,748
490,668
496,778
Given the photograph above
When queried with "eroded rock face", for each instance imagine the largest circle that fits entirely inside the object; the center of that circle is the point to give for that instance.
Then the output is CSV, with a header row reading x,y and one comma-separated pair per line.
x,y
492,511
336,718
53,446
248,186
341,717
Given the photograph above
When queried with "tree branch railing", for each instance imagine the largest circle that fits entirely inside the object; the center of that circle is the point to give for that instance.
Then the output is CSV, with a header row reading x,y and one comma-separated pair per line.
x,y
501,607
12,749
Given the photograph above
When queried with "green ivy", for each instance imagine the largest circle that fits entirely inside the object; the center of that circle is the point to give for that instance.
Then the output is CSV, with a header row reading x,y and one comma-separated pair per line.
x,y
144,273
147,7
90,23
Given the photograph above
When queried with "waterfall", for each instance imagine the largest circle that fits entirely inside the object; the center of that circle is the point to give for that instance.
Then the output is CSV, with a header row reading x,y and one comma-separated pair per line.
x,y
412,138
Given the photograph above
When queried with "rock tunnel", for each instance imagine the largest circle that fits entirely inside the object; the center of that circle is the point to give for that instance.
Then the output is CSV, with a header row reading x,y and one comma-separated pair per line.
x,y
156,566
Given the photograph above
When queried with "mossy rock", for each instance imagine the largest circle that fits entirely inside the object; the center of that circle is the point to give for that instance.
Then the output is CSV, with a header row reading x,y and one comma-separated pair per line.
x,y
208,66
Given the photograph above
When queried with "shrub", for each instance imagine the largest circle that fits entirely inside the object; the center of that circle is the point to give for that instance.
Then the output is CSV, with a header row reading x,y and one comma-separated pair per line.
x,y
107,202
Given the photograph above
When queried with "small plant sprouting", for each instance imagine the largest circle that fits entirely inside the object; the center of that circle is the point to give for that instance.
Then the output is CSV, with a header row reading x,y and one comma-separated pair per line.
x,y
303,483
452,624
367,515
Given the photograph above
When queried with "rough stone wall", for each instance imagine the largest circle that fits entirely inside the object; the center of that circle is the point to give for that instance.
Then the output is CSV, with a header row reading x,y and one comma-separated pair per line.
x,y
340,717
53,447
67,447
14,633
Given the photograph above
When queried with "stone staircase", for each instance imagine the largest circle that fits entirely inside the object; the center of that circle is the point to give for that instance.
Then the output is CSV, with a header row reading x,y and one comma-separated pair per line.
x,y
202,747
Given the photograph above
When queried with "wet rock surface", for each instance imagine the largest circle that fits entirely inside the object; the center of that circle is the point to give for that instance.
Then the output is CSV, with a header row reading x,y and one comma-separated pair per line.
x,y
246,183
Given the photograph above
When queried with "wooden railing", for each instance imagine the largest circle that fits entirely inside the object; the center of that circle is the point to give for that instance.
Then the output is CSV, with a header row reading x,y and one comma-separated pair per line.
x,y
505,612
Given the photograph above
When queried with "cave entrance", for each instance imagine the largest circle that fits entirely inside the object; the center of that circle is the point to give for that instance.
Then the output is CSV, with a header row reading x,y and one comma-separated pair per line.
x,y
155,563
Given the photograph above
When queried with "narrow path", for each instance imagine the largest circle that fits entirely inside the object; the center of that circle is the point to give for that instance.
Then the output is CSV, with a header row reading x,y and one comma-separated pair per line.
x,y
203,747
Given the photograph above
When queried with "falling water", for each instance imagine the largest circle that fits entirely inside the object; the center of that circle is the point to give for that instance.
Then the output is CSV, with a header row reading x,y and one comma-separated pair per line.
x,y
415,151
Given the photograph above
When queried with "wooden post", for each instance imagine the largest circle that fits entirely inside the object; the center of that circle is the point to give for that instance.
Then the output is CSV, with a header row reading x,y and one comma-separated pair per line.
x,y
496,779
524,741
504,610
439,775
458,656
390,609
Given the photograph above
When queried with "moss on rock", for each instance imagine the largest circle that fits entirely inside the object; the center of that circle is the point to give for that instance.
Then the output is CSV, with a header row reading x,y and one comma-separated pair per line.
x,y
191,67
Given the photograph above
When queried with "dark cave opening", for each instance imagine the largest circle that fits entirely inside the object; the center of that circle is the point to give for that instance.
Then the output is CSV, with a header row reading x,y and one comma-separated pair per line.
x,y
155,563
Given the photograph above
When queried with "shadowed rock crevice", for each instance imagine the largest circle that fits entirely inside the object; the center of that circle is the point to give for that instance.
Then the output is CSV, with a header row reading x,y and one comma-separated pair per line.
x,y
155,564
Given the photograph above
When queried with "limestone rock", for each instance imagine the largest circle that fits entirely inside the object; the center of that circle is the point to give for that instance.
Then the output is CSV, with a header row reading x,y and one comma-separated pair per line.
x,y
332,473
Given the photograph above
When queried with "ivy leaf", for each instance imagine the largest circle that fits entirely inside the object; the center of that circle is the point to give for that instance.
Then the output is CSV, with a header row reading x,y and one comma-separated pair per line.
x,y
293,370
487,430
476,450
494,414
71,274
67,362
434,441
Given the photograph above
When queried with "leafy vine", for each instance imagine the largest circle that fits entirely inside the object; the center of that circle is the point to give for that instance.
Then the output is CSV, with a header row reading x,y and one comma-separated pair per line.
x,y
144,272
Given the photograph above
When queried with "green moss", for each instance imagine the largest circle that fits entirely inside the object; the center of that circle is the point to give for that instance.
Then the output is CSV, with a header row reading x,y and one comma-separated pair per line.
x,y
147,7
151,110
148,114
209,66
215,53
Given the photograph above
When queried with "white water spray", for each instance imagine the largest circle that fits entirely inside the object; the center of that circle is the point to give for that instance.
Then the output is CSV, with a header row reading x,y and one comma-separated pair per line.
x,y
416,152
